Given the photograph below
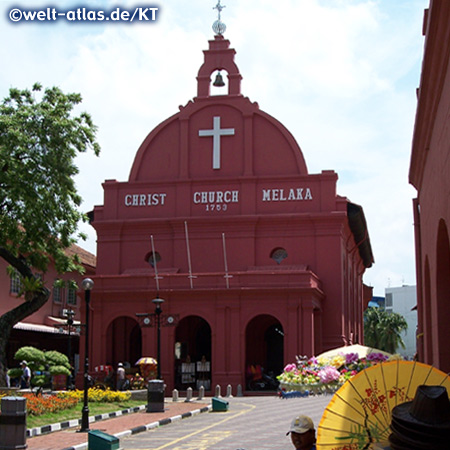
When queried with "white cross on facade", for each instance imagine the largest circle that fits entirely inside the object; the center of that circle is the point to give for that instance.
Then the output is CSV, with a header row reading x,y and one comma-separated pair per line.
x,y
216,133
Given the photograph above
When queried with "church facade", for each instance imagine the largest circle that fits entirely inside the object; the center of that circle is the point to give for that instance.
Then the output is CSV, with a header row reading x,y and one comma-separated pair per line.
x,y
257,260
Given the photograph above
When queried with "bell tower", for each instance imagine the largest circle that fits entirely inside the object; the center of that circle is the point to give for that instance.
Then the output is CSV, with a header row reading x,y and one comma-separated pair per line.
x,y
219,56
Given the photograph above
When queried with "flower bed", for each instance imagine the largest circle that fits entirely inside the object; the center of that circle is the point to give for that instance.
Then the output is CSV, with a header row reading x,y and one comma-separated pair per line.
x,y
324,375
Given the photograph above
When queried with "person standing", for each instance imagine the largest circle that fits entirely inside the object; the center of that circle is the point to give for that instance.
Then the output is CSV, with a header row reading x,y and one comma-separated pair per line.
x,y
26,375
303,433
120,376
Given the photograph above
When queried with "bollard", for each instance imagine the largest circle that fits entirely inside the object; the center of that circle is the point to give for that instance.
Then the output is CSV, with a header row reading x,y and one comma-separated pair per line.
x,y
155,396
239,390
13,423
188,394
217,394
229,394
174,395
98,440
219,404
201,392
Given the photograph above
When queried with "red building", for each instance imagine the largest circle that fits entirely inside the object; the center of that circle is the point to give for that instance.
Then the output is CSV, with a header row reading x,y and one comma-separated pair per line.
x,y
46,329
429,174
256,259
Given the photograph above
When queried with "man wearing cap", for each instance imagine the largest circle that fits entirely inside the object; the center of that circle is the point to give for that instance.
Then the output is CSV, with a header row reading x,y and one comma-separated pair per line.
x,y
120,376
26,376
303,434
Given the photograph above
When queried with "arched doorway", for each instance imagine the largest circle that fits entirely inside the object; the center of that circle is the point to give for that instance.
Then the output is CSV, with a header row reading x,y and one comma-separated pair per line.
x,y
124,339
193,353
264,349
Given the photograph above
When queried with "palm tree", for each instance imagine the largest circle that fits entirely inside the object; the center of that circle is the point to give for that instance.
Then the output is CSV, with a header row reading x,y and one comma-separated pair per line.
x,y
383,329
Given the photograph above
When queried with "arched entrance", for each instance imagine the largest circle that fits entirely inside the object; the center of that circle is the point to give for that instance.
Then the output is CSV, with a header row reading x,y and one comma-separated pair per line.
x,y
264,349
193,353
124,340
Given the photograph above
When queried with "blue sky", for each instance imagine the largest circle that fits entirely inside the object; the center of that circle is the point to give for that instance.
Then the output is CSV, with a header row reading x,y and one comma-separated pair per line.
x,y
341,75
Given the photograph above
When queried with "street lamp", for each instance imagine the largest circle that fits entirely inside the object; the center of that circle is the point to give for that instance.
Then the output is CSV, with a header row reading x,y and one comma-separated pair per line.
x,y
158,302
87,284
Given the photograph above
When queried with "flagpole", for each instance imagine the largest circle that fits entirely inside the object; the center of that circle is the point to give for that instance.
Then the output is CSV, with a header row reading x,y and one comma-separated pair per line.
x,y
227,277
191,277
154,265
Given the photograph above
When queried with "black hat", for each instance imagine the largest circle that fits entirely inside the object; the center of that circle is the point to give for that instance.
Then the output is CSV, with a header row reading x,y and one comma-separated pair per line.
x,y
430,408
423,423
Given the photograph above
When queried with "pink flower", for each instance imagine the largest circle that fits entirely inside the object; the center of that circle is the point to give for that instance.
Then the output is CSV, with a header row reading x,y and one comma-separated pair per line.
x,y
290,367
328,374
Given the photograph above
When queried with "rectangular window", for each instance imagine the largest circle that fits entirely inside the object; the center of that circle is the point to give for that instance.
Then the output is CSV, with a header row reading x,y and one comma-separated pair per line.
x,y
15,285
57,294
71,296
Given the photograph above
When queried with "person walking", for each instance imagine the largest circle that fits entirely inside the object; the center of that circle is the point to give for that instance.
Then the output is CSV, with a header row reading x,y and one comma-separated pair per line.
x,y
26,375
120,376
303,433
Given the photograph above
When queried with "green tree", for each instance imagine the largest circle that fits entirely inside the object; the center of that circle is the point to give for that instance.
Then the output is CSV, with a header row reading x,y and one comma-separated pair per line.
x,y
40,136
383,329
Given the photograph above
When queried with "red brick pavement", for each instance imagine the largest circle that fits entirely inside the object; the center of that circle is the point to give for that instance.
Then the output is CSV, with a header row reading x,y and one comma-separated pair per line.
x,y
60,440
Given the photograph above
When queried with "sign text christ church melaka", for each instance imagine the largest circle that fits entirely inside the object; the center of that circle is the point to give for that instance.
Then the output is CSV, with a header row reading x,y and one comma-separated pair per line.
x,y
209,198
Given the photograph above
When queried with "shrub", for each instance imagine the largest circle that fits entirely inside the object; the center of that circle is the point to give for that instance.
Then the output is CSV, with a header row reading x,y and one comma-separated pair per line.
x,y
54,358
59,370
31,355
15,372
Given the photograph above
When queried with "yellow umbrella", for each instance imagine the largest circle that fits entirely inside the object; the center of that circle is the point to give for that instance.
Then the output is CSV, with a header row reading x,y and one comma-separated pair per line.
x,y
146,360
359,414
362,351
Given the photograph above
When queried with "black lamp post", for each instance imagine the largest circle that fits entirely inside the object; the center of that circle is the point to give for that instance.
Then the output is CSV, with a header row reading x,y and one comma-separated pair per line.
x,y
158,302
87,284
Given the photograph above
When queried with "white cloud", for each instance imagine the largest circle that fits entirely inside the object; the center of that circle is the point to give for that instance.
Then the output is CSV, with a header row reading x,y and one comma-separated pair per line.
x,y
339,74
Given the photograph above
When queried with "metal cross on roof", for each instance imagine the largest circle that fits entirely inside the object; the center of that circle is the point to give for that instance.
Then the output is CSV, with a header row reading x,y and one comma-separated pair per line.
x,y
219,8
218,26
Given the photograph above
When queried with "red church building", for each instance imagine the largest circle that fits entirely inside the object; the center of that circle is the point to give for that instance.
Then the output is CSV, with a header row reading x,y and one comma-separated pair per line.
x,y
257,260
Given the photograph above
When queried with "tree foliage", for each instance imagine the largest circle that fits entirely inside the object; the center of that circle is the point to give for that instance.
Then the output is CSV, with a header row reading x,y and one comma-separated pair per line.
x,y
39,140
383,329
40,136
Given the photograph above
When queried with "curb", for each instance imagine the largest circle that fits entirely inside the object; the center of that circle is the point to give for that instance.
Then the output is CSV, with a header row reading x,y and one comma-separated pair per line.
x,y
32,432
76,422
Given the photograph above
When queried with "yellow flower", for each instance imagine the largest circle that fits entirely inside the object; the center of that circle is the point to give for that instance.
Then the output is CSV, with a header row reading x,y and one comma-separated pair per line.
x,y
323,361
338,361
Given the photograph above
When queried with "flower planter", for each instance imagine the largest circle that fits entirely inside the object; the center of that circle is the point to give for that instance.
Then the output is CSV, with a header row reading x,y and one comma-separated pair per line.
x,y
318,388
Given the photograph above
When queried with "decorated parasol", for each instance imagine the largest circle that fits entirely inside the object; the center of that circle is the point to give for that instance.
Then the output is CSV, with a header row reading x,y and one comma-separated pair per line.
x,y
146,360
362,351
147,367
359,414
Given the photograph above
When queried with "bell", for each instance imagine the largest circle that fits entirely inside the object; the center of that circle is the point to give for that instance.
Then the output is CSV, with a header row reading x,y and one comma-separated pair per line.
x,y
219,80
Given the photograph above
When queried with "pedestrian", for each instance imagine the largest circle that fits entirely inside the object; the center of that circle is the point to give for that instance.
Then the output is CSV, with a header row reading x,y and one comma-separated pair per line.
x,y
303,433
120,376
26,375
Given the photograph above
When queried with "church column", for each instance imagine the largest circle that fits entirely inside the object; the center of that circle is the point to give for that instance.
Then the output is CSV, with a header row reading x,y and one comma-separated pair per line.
x,y
307,332
292,344
226,347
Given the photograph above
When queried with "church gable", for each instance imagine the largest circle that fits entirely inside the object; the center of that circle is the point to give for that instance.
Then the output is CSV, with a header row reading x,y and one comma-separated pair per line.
x,y
224,136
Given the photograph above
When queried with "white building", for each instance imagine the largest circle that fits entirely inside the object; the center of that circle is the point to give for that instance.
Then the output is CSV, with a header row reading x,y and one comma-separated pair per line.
x,y
403,300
